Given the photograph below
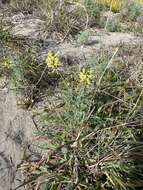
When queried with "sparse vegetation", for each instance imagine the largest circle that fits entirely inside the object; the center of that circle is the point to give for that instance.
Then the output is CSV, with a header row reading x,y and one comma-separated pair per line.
x,y
134,11
92,133
95,134
114,25
83,38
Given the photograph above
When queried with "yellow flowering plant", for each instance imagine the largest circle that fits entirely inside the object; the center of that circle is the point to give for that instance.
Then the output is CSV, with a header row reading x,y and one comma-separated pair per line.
x,y
86,76
53,60
8,63
139,1
115,5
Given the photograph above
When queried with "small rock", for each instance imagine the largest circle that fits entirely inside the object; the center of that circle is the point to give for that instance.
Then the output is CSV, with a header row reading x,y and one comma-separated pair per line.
x,y
28,28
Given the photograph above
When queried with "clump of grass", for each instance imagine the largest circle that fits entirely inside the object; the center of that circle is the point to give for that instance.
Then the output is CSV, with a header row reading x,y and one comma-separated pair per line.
x,y
64,17
67,17
83,38
93,136
5,36
94,10
5,59
114,25
134,11
26,6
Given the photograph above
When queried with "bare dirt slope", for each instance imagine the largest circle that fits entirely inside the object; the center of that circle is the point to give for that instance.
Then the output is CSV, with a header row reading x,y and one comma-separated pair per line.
x,y
16,131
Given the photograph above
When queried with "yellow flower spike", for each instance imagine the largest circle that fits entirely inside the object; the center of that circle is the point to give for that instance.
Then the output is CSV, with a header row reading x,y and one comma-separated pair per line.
x,y
8,63
86,76
115,5
53,60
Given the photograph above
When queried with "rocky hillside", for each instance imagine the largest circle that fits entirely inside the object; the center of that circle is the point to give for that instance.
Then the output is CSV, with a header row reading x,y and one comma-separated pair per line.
x,y
71,95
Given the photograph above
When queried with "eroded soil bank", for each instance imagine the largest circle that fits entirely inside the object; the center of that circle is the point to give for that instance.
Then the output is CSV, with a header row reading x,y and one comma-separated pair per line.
x,y
16,133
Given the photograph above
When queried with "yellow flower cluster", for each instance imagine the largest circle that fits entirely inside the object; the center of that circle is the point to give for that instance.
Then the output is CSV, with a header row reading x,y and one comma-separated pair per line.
x,y
86,76
139,1
115,5
8,63
53,60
